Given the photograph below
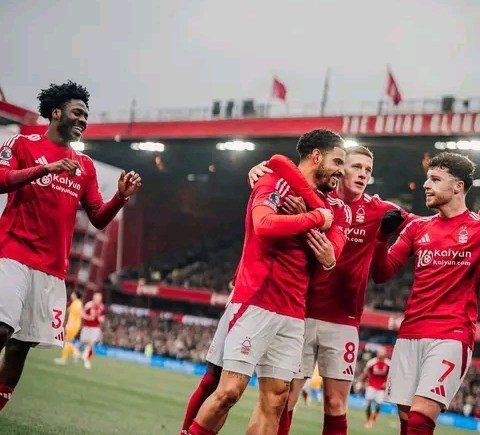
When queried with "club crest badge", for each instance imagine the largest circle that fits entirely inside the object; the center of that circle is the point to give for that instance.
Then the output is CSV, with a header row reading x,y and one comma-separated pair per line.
x,y
463,235
360,215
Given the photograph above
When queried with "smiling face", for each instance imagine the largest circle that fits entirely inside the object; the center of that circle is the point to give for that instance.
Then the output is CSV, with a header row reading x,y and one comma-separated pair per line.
x,y
440,187
330,169
358,172
73,120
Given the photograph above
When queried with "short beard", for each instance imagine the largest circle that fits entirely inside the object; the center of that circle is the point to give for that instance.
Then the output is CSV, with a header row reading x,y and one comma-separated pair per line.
x,y
65,129
437,203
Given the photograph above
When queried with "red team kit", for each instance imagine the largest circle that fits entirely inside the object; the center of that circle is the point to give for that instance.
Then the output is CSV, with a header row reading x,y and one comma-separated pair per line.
x,y
288,312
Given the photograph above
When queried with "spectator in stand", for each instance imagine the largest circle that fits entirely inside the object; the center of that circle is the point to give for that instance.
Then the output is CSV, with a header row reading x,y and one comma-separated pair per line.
x,y
167,337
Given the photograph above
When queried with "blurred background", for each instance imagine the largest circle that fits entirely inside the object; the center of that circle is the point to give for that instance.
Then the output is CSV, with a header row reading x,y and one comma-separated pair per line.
x,y
193,94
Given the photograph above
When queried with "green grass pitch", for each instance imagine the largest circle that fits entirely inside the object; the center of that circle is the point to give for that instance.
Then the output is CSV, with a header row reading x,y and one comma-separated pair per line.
x,y
124,398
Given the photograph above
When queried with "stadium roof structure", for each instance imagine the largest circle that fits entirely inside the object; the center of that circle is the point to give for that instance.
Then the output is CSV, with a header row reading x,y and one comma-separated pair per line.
x,y
433,124
13,114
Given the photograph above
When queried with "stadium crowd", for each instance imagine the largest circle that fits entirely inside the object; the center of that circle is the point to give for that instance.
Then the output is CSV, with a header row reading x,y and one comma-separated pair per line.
x,y
212,266
165,337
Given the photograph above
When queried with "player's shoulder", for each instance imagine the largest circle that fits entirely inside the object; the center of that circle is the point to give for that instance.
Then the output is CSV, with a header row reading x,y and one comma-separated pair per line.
x,y
340,206
420,222
268,179
372,362
274,182
88,305
474,218
21,139
376,202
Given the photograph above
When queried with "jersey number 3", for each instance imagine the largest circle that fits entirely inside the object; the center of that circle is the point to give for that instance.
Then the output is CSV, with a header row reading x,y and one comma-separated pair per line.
x,y
57,318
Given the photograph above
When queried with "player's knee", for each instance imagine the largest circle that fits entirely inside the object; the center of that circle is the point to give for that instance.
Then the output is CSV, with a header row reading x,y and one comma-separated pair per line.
x,y
275,400
335,404
228,396
278,402
6,332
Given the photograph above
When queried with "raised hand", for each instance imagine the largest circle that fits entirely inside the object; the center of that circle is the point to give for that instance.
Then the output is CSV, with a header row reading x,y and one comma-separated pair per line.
x,y
129,183
256,172
391,220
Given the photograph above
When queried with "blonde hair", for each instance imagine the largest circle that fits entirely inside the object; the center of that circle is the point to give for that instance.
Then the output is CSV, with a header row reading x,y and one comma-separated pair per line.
x,y
359,149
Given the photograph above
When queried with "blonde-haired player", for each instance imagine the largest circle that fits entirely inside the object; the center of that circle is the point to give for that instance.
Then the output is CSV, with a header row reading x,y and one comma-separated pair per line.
x,y
72,328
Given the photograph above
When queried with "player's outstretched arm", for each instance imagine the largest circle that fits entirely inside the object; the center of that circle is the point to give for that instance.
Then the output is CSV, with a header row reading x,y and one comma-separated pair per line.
x,y
102,213
286,169
266,223
387,262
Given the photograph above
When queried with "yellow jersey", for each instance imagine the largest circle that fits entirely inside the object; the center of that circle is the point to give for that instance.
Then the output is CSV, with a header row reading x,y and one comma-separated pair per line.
x,y
75,315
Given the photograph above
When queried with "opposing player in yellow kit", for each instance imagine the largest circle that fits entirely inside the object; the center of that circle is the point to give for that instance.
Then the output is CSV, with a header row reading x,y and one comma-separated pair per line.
x,y
72,328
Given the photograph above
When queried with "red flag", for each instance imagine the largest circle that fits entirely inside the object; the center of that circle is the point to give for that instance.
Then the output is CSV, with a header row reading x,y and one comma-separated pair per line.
x,y
392,89
279,90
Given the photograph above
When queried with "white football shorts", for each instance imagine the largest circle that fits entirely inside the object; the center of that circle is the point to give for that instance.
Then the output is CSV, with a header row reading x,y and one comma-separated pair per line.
x,y
334,346
430,368
250,338
33,303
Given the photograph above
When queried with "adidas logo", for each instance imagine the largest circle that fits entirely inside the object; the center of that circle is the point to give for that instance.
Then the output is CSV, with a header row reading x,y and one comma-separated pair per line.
x,y
439,390
7,396
348,371
425,239
59,336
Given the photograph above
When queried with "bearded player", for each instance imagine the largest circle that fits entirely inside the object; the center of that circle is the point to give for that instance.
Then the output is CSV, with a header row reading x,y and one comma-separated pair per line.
x,y
335,300
262,328
435,340
45,180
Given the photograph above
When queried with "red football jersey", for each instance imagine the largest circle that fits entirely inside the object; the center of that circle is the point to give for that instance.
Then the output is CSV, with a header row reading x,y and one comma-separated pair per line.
x,y
339,297
95,310
443,300
36,227
377,372
273,273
